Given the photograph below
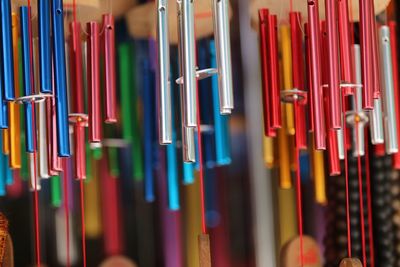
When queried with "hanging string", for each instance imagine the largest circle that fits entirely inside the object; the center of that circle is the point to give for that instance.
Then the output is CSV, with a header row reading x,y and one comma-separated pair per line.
x,y
360,190
370,226
298,187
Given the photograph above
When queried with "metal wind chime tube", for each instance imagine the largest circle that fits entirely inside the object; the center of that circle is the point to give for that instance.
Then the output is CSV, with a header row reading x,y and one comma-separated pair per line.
x,y
188,61
390,126
223,54
44,46
8,93
63,143
164,86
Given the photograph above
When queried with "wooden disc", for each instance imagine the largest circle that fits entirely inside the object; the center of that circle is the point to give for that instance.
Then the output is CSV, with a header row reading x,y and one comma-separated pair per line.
x,y
117,261
290,253
350,262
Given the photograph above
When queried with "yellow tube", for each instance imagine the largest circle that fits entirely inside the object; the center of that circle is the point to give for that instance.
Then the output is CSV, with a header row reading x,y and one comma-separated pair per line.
x,y
318,171
285,179
192,220
286,49
92,203
268,152
14,132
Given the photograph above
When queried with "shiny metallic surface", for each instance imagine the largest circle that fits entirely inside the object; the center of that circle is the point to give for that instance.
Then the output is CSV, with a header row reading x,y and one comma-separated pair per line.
x,y
60,88
44,46
188,144
42,141
223,52
164,86
8,92
358,133
389,111
188,61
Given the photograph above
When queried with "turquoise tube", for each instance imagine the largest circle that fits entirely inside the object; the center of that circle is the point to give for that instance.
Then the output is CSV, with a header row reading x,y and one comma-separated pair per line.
x,y
221,123
7,171
2,171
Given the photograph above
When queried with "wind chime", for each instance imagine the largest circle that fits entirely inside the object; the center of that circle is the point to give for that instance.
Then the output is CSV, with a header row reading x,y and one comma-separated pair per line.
x,y
190,75
339,92
67,84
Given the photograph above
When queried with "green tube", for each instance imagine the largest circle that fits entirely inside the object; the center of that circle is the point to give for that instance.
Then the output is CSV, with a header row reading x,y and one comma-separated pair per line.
x,y
56,197
97,153
129,106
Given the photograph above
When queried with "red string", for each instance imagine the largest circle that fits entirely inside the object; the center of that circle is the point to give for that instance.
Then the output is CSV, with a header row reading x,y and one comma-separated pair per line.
x,y
360,192
83,223
66,211
201,173
371,236
346,171
298,188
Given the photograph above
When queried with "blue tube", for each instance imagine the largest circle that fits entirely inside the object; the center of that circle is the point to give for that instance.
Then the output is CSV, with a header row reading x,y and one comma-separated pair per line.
x,y
7,171
27,78
148,110
7,51
221,126
60,79
188,173
172,170
3,103
44,46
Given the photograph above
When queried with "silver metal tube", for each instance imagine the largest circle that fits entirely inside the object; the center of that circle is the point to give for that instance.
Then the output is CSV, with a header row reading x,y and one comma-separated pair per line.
x,y
33,170
186,18
223,54
164,86
389,112
188,144
358,131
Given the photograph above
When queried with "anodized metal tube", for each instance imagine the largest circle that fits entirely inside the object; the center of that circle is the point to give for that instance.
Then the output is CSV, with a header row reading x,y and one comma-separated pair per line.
x,y
275,98
14,115
366,54
390,126
188,61
77,97
28,78
54,162
316,88
374,52
344,42
44,46
163,81
110,69
223,52
60,78
8,92
298,76
34,179
358,139
93,81
42,141
333,59
263,15
395,66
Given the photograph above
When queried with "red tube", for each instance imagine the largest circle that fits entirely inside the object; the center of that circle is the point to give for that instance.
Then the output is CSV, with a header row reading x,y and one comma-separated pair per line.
x,y
109,64
333,152
315,64
263,24
77,100
309,78
345,45
54,162
298,77
374,52
395,66
274,72
333,81
366,53
379,150
93,80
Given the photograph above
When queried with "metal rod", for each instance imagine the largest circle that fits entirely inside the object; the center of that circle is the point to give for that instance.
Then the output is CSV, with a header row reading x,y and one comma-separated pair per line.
x,y
110,69
186,19
366,54
223,53
390,126
44,46
358,140
7,92
163,86
93,81
60,79
315,64
333,59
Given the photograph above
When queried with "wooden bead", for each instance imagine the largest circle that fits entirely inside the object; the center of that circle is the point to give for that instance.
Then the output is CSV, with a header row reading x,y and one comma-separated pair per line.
x,y
290,253
350,262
